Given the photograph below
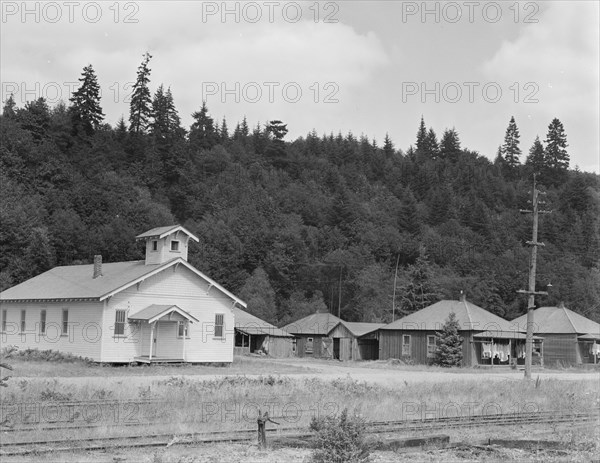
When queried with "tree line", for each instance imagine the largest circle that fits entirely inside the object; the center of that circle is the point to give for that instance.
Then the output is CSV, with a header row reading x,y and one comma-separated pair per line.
x,y
322,222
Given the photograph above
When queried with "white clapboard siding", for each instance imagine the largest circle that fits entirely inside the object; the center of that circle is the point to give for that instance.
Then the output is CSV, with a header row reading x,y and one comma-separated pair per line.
x,y
178,286
83,338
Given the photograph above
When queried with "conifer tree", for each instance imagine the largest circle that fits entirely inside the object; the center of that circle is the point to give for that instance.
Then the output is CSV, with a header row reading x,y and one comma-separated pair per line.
x,y
432,144
9,107
421,145
203,135
85,109
140,107
450,145
536,158
420,291
556,156
510,149
449,344
388,146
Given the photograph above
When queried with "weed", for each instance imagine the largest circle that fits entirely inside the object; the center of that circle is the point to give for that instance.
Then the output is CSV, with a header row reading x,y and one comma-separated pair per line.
x,y
50,395
340,439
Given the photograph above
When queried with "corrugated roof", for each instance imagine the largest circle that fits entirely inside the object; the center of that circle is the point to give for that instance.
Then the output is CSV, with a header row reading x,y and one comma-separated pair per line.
x,y
161,232
318,323
251,324
360,329
76,282
469,316
558,320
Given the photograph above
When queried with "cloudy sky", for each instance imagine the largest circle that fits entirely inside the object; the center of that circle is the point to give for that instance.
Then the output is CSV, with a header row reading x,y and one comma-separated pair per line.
x,y
367,67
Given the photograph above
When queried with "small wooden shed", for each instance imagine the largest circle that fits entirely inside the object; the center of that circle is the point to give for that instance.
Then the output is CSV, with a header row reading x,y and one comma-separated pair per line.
x,y
324,335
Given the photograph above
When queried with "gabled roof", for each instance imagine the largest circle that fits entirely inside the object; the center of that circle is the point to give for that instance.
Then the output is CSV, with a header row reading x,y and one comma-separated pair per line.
x,y
75,282
155,312
249,324
558,320
318,323
469,316
161,232
361,328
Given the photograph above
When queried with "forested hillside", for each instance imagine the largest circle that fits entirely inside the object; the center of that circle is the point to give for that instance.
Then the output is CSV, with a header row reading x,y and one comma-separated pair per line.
x,y
294,226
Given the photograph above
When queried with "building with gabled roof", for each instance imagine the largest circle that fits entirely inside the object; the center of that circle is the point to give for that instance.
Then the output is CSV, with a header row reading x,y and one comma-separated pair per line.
x,y
158,309
254,335
569,338
487,338
324,335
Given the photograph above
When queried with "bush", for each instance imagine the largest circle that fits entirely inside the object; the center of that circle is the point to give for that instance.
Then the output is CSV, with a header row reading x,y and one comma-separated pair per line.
x,y
340,439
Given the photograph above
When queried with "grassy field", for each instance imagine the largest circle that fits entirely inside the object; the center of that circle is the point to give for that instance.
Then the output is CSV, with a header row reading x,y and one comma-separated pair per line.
x,y
185,400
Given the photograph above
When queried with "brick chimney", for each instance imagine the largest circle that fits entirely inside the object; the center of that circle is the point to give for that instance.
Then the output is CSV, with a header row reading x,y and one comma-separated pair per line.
x,y
97,266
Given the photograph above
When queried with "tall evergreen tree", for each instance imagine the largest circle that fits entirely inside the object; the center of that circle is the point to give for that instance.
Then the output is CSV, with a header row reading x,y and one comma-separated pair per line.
x,y
510,149
9,107
432,144
421,145
85,103
450,145
140,107
536,157
449,344
420,291
388,146
556,155
203,135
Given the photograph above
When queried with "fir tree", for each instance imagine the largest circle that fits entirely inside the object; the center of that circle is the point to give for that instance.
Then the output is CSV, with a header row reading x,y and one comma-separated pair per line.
x,y
432,144
140,107
9,107
421,145
203,135
449,344
450,145
510,149
420,291
388,146
536,158
85,109
556,156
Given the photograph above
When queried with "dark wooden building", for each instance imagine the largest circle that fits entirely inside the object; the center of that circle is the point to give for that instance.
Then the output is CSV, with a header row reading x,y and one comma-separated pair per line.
x,y
254,335
323,335
487,338
569,338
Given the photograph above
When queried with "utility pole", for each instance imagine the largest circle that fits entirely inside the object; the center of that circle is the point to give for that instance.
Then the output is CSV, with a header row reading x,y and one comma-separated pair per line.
x,y
532,272
394,295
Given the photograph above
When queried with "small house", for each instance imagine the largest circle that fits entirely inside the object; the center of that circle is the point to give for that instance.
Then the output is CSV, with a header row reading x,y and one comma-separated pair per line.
x,y
323,335
569,338
160,309
254,335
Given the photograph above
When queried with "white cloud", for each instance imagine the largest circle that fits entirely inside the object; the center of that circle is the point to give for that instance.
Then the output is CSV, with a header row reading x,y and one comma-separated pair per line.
x,y
559,54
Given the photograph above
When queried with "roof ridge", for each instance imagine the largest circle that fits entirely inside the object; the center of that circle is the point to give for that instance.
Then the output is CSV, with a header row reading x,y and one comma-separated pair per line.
x,y
464,301
569,318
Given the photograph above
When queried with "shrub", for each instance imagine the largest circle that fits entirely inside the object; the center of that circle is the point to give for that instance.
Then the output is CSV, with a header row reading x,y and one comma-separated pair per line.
x,y
339,439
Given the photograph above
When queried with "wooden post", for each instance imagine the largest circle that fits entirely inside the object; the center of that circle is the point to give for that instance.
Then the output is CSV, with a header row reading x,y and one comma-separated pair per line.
x,y
151,340
262,436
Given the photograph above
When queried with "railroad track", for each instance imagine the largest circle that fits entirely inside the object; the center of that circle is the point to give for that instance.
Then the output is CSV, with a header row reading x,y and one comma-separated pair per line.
x,y
374,427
